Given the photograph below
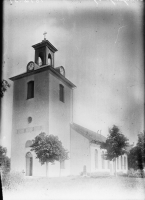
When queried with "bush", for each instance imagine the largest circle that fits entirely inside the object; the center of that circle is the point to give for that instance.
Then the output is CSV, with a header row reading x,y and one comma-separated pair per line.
x,y
11,180
140,173
136,173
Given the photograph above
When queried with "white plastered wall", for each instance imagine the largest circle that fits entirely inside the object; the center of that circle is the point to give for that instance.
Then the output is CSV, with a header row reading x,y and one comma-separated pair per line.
x,y
109,166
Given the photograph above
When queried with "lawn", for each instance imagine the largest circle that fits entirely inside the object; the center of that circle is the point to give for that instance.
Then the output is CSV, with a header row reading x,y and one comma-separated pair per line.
x,y
110,188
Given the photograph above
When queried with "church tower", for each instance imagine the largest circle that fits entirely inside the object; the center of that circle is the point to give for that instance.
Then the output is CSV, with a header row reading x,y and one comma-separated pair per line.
x,y
42,102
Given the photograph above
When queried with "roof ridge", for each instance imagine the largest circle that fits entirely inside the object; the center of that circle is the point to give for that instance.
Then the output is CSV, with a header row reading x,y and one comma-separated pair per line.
x,y
90,135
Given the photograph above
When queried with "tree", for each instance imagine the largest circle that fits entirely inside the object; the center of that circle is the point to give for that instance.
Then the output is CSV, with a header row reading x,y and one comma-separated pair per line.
x,y
115,144
141,147
136,157
132,158
48,148
4,86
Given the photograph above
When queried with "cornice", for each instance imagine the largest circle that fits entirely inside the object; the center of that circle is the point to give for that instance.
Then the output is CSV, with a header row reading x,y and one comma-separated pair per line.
x,y
44,68
45,43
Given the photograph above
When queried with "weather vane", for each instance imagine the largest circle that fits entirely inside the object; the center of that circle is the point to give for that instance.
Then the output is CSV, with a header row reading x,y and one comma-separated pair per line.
x,y
45,35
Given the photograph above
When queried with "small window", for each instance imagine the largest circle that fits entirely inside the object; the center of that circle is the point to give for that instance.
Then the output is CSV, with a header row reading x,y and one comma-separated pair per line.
x,y
62,164
30,90
96,159
28,143
29,120
61,93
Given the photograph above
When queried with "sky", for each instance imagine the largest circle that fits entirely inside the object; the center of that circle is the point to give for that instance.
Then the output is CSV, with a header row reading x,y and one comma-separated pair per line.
x,y
100,45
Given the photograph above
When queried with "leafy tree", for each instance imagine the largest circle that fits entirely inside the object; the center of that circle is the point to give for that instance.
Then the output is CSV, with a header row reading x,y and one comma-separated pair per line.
x,y
115,144
141,146
48,148
4,86
136,157
132,158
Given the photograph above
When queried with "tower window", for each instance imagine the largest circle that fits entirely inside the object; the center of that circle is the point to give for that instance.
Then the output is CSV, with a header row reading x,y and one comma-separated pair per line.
x,y
49,59
30,90
40,59
61,93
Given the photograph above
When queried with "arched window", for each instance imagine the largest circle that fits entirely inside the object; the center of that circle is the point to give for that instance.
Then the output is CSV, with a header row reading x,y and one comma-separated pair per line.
x,y
30,90
40,59
96,159
28,143
103,166
49,59
121,162
108,164
117,162
124,162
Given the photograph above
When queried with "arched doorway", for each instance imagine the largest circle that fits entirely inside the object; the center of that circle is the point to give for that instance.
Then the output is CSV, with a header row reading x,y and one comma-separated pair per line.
x,y
29,164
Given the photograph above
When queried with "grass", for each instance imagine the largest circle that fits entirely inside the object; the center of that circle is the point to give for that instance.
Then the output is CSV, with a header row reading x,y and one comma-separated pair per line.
x,y
110,188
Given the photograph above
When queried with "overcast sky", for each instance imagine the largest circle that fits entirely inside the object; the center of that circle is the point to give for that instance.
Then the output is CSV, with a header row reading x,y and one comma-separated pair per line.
x,y
100,45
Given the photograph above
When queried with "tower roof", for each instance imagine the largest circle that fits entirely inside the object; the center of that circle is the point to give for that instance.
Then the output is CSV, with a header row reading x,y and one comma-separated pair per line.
x,y
45,43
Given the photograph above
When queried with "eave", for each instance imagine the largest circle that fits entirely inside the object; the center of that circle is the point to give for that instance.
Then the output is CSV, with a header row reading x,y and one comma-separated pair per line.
x,y
45,43
45,68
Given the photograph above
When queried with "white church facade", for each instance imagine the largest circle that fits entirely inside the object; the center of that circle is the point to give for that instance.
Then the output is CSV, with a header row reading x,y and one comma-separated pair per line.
x,y
42,102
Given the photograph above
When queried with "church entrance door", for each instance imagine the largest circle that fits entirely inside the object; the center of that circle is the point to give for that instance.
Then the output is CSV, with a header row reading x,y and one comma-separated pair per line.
x,y
29,164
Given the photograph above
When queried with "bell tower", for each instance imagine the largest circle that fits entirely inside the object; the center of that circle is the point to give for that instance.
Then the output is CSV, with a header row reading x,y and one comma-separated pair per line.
x,y
42,98
44,53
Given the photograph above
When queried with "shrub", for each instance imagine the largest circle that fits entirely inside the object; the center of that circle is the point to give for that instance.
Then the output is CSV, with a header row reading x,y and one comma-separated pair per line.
x,y
12,179
140,173
136,173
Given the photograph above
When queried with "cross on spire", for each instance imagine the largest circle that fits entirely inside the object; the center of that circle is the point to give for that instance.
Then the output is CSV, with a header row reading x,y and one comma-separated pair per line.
x,y
45,35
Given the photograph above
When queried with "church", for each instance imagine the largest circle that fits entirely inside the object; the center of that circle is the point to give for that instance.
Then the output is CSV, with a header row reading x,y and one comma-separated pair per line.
x,y
43,102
